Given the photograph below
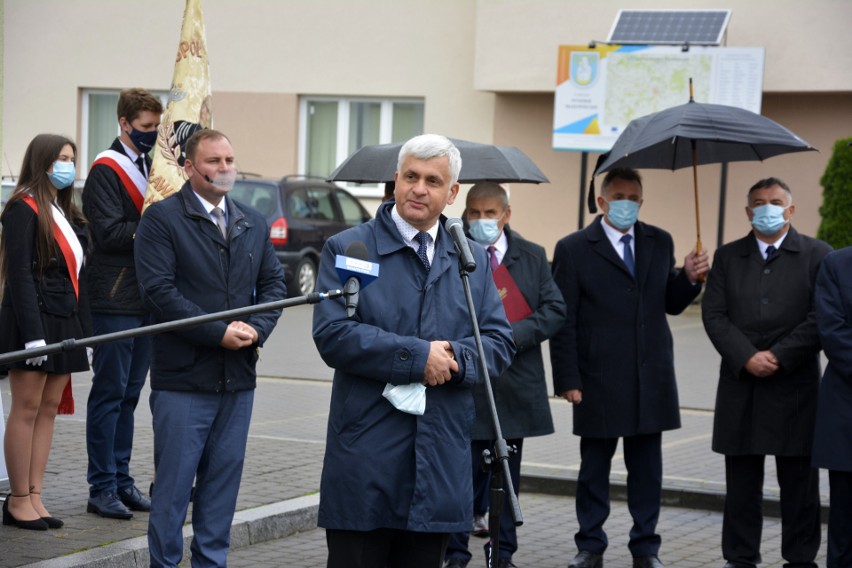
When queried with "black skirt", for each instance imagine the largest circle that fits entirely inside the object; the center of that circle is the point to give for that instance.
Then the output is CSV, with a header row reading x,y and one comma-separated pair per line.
x,y
57,329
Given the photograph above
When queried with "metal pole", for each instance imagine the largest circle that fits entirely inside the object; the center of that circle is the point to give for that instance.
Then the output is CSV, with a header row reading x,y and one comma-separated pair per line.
x,y
581,222
723,192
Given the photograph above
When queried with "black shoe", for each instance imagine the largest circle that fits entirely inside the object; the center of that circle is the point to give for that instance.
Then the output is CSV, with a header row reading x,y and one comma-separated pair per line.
x,y
133,499
647,562
106,504
480,526
586,559
53,522
505,563
455,563
8,519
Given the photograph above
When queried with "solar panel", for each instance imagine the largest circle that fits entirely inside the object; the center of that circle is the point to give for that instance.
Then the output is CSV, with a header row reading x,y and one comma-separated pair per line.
x,y
669,27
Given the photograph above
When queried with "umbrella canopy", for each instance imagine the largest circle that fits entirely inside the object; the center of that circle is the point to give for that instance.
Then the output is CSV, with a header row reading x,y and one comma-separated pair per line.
x,y
720,133
480,162
693,134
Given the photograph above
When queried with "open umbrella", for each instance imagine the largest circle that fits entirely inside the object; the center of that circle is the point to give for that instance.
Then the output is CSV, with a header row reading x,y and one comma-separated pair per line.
x,y
480,162
693,134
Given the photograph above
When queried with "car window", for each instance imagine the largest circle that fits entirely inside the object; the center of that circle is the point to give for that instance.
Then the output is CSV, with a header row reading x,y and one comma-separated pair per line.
x,y
297,204
353,214
319,200
261,196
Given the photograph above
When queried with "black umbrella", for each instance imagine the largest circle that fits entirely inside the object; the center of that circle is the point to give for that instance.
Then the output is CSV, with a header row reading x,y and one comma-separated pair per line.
x,y
480,162
693,134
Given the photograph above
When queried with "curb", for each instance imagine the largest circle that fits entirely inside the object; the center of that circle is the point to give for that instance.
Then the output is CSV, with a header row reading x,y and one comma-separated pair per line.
x,y
251,526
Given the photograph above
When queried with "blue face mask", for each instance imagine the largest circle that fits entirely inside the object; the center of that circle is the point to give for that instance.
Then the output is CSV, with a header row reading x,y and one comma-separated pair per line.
x,y
623,213
63,174
768,219
143,141
484,231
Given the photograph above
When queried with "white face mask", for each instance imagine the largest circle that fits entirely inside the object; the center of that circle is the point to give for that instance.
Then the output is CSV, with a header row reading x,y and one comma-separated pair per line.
x,y
409,398
224,180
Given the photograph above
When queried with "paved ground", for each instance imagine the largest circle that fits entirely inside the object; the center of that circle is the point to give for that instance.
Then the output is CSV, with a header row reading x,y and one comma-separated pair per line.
x,y
284,462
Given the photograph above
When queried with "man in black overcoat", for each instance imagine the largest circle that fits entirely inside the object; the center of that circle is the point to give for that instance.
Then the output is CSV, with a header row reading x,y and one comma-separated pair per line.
x,y
613,360
536,311
758,311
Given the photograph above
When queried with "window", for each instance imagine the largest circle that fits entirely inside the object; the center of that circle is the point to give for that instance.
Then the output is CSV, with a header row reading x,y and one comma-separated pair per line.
x,y
100,124
351,209
332,128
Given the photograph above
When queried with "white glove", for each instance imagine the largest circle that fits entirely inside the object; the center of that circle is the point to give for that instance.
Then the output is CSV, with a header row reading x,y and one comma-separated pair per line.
x,y
90,352
36,361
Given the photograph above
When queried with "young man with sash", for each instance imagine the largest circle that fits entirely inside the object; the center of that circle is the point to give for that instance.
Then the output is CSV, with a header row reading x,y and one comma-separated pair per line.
x,y
112,202
536,310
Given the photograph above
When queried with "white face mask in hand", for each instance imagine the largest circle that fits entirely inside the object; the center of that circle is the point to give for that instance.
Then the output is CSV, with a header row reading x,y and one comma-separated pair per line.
x,y
410,398
36,361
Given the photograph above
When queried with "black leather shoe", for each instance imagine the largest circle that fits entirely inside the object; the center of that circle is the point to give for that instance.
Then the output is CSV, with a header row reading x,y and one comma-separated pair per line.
x,y
586,559
133,499
647,562
106,504
455,563
505,563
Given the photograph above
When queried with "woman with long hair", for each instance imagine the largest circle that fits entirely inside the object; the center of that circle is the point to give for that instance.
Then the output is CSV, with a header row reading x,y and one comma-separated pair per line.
x,y
43,301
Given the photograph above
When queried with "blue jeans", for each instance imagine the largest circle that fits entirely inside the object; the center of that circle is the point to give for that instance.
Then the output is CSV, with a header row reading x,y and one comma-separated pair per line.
x,y
120,368
199,435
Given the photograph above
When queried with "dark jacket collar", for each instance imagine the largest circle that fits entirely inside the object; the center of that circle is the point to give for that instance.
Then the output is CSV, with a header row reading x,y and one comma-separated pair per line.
x,y
748,245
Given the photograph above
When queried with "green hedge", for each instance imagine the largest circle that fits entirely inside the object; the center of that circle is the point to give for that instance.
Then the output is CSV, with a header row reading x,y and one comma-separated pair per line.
x,y
836,210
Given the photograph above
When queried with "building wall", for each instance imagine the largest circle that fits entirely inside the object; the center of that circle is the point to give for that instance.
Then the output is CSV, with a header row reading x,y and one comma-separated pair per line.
x,y
808,47
546,213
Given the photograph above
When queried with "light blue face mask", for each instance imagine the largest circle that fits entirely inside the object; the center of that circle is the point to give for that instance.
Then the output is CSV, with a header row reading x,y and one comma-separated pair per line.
x,y
623,213
485,231
63,174
768,219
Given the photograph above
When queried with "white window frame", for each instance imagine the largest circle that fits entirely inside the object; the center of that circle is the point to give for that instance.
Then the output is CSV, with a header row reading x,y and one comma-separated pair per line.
x,y
342,147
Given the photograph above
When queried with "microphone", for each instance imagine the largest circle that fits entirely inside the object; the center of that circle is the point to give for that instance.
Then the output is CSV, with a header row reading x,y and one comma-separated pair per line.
x,y
455,227
357,272
207,178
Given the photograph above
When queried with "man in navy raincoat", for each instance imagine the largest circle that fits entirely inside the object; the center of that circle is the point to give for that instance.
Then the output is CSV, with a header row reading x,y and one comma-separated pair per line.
x,y
395,484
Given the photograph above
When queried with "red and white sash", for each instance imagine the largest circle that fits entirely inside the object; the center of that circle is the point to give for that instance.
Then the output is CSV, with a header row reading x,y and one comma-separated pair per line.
x,y
67,240
132,179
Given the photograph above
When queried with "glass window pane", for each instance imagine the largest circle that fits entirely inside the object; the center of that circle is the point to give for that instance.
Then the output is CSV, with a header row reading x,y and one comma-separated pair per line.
x,y
322,138
103,124
407,121
364,124
319,200
261,196
352,212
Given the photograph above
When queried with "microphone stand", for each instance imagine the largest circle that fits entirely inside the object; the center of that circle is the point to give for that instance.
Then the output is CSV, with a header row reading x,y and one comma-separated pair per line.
x,y
71,344
498,459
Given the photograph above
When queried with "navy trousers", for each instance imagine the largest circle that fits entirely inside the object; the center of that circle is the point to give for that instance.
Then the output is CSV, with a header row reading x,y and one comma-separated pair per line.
x,y
840,520
197,435
459,542
643,457
384,548
120,368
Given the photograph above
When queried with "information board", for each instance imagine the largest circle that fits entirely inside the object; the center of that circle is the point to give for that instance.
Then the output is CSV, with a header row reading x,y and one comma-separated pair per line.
x,y
600,90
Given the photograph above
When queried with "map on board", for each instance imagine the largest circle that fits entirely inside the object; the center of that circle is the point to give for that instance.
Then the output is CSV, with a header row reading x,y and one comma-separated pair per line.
x,y
600,90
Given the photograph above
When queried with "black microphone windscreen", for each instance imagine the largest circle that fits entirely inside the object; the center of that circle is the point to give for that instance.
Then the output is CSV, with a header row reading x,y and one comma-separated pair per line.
x,y
357,249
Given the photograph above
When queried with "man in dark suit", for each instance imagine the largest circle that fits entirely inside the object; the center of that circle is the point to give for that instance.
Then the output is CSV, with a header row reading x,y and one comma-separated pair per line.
x,y
613,360
112,202
200,252
536,311
833,432
758,311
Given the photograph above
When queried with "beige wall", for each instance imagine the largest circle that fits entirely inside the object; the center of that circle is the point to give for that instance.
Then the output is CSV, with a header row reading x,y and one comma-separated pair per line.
x,y
317,47
546,213
808,45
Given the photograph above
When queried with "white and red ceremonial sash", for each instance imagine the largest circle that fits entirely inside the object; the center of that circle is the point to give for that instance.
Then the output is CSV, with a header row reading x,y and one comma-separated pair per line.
x,y
132,179
68,243
72,251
